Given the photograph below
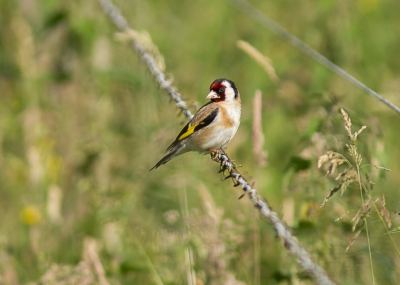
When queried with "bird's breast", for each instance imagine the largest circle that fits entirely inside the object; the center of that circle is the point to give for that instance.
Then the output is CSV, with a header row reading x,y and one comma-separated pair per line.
x,y
220,131
230,115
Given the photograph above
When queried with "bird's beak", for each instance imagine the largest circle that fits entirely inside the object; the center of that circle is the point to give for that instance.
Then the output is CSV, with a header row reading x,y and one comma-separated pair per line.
x,y
212,95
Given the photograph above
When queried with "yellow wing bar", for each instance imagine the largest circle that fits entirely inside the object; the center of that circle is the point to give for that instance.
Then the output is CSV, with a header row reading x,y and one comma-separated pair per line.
x,y
189,131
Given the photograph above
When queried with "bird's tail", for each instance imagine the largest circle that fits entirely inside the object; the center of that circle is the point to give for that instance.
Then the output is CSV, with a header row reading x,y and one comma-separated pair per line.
x,y
174,149
164,160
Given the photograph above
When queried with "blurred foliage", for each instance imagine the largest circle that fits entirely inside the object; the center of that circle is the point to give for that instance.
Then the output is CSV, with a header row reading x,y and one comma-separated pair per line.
x,y
81,122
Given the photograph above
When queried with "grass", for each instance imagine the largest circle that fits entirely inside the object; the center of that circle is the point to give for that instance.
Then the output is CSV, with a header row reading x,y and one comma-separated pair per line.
x,y
81,122
352,175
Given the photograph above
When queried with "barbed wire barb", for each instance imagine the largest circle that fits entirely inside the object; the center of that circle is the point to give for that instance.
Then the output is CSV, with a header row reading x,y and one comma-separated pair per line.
x,y
226,164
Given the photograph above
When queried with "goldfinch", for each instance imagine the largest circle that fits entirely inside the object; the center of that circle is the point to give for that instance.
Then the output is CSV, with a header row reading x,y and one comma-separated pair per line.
x,y
213,125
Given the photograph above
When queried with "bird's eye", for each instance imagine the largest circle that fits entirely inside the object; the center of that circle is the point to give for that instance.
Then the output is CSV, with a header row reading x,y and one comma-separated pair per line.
x,y
221,90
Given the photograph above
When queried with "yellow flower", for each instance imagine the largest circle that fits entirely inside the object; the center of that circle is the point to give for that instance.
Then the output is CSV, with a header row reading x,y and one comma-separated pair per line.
x,y
30,215
309,211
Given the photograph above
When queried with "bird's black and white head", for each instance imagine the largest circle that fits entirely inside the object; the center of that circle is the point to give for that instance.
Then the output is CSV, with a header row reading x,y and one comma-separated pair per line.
x,y
223,90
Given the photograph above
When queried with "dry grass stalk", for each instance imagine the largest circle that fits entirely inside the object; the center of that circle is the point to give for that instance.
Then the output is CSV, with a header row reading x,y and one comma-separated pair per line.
x,y
209,205
91,256
334,158
288,211
26,50
258,137
347,126
381,168
385,213
346,177
360,221
349,175
353,239
262,60
352,175
54,200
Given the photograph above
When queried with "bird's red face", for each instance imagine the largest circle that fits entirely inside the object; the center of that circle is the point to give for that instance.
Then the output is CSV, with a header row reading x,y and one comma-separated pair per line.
x,y
222,90
219,89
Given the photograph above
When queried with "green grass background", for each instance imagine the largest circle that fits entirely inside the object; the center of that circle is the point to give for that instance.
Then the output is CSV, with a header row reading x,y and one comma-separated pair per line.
x,y
82,121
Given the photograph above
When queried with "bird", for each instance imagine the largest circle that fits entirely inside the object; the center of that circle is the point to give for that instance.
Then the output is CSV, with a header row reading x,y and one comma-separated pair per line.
x,y
213,126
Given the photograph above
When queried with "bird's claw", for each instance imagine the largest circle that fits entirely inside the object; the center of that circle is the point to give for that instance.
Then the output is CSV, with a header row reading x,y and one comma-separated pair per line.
x,y
215,154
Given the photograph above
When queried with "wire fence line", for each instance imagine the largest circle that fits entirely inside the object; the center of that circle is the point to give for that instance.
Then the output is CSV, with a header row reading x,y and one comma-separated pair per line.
x,y
226,164
266,22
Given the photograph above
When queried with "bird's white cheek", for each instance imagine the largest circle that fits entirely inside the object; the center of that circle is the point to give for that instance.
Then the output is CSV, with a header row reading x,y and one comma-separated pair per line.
x,y
229,94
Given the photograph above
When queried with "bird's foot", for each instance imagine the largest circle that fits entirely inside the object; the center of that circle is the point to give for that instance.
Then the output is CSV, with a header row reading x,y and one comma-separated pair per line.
x,y
215,154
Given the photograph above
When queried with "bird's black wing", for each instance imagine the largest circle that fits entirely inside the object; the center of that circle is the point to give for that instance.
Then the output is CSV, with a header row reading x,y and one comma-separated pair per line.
x,y
204,117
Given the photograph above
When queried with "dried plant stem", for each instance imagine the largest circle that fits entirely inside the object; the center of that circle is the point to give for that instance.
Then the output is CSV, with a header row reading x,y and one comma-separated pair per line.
x,y
92,257
226,163
258,137
366,224
262,60
352,174
383,222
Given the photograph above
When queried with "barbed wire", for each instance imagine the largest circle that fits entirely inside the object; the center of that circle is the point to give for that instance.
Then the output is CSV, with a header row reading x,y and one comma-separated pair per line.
x,y
275,28
226,164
